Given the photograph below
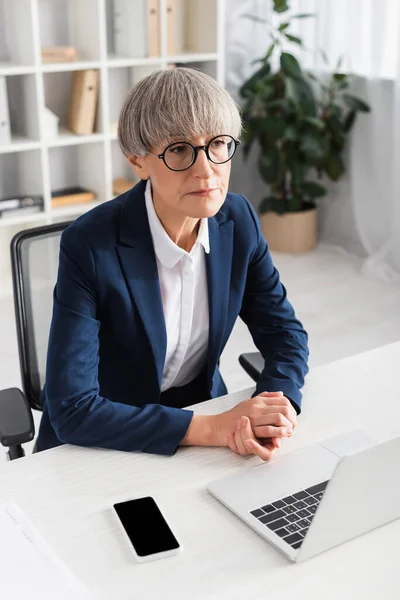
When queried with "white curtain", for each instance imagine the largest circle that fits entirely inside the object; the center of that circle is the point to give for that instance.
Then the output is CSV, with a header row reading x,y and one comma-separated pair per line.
x,y
362,211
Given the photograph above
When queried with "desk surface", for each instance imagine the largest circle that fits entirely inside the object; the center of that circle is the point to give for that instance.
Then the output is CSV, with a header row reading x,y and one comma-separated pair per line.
x,y
67,493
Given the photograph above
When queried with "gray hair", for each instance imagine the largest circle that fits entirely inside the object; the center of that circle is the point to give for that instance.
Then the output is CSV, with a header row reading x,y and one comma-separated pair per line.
x,y
175,103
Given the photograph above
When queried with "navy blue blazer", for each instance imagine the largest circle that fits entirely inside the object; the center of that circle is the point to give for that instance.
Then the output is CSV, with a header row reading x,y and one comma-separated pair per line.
x,y
108,339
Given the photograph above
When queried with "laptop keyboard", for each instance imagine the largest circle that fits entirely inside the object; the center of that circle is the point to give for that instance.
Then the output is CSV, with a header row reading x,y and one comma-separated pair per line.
x,y
290,517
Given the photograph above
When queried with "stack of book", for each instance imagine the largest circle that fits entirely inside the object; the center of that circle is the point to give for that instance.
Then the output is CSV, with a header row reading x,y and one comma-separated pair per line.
x,y
58,54
71,195
20,205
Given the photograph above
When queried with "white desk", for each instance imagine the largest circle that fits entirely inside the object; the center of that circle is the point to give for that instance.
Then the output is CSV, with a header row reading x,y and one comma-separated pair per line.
x,y
67,493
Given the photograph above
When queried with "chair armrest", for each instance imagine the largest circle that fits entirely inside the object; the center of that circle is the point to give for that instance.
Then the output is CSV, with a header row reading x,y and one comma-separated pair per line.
x,y
252,363
16,421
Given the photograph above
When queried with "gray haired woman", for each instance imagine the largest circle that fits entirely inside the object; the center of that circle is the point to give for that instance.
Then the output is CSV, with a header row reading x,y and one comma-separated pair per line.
x,y
151,283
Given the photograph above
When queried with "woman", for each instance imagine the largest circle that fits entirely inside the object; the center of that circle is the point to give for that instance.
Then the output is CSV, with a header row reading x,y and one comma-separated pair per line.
x,y
150,285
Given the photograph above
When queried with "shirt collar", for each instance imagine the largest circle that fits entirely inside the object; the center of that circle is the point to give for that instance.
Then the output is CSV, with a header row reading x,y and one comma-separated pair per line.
x,y
168,253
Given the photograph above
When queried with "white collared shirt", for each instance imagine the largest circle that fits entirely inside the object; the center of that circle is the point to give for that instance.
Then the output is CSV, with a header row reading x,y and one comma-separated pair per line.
x,y
184,293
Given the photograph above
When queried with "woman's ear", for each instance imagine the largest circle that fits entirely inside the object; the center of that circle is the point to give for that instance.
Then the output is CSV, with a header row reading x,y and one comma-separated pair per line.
x,y
138,164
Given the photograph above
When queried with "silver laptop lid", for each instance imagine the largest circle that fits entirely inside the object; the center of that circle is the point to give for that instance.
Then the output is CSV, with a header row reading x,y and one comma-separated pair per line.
x,y
363,493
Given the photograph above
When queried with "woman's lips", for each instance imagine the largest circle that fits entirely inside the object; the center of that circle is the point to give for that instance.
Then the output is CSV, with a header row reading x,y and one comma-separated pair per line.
x,y
205,192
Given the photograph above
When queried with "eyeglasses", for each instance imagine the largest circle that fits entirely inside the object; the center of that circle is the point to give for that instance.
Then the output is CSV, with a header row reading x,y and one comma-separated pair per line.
x,y
179,156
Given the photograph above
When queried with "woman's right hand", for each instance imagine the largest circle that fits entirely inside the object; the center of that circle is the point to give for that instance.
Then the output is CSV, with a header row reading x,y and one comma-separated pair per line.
x,y
271,415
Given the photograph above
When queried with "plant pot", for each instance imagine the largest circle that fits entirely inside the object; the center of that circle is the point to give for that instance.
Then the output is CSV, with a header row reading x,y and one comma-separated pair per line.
x,y
291,232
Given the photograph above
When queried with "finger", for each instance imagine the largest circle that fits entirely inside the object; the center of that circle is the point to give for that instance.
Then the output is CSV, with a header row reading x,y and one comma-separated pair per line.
x,y
264,452
271,394
271,431
232,443
287,418
277,400
245,433
241,424
271,418
275,441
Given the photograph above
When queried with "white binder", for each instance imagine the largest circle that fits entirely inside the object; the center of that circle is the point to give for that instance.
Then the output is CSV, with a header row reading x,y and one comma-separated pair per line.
x,y
130,28
5,131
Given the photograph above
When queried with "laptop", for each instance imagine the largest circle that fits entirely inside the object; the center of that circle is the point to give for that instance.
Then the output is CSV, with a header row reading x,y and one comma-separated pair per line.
x,y
314,499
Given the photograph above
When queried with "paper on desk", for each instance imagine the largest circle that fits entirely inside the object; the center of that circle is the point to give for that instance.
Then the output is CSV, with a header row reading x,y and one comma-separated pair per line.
x,y
28,566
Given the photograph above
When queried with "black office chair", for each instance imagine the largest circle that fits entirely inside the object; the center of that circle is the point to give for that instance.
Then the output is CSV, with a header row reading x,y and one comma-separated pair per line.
x,y
34,260
252,363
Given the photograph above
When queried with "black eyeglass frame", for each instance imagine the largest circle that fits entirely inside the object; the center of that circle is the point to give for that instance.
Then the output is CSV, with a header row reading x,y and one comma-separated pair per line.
x,y
196,151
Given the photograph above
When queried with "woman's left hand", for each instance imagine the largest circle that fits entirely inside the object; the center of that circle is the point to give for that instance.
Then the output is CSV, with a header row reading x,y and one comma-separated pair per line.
x,y
243,441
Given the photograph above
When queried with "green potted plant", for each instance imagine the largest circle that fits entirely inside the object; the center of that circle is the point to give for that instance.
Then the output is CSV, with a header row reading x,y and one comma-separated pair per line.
x,y
301,124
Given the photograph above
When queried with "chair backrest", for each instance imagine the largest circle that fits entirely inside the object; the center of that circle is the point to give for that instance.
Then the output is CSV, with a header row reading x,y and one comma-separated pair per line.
x,y
34,259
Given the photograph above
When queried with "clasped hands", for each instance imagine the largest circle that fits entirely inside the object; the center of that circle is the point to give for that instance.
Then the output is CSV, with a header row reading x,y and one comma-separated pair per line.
x,y
260,423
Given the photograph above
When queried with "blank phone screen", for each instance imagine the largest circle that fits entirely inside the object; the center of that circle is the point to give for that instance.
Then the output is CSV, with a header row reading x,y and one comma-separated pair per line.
x,y
146,527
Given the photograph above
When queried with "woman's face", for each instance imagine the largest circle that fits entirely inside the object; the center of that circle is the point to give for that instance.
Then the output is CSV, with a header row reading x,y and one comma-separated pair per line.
x,y
197,192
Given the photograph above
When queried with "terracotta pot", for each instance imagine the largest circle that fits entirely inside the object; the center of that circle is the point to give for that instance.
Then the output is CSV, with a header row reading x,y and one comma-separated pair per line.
x,y
292,232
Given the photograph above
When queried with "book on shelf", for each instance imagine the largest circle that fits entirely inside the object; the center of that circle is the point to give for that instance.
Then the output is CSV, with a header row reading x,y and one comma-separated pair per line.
x,y
20,205
153,28
83,101
136,28
5,130
56,54
71,195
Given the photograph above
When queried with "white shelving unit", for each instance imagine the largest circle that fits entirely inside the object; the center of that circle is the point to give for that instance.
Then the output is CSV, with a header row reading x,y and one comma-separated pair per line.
x,y
32,164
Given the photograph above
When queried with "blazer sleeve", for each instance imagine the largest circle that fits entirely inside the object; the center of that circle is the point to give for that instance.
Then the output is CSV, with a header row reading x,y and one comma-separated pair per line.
x,y
273,325
78,413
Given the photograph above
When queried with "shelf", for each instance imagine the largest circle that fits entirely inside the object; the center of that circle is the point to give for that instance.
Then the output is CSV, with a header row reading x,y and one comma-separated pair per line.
x,y
22,219
15,69
74,209
19,144
67,138
69,66
193,57
120,61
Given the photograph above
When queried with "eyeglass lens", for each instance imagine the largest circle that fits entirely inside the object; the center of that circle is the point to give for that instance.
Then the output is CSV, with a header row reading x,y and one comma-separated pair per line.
x,y
180,156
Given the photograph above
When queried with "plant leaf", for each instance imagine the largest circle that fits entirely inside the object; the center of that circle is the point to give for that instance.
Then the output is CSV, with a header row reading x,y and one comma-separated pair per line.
x,y
290,65
271,203
303,15
251,84
349,121
333,167
312,189
313,147
269,164
315,122
355,103
302,95
283,26
270,51
280,6
293,38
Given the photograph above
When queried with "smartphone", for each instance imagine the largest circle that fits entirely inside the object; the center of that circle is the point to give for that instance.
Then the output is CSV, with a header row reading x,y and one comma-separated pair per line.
x,y
147,530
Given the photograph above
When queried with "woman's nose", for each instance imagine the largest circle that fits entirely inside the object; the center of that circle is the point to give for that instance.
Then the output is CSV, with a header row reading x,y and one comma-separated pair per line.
x,y
202,166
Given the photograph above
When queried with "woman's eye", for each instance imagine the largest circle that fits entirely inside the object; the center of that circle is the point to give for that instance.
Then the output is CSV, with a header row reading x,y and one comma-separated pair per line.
x,y
218,143
177,149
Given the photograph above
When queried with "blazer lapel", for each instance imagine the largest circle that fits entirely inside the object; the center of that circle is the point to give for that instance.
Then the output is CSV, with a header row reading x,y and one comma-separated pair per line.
x,y
219,265
138,263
